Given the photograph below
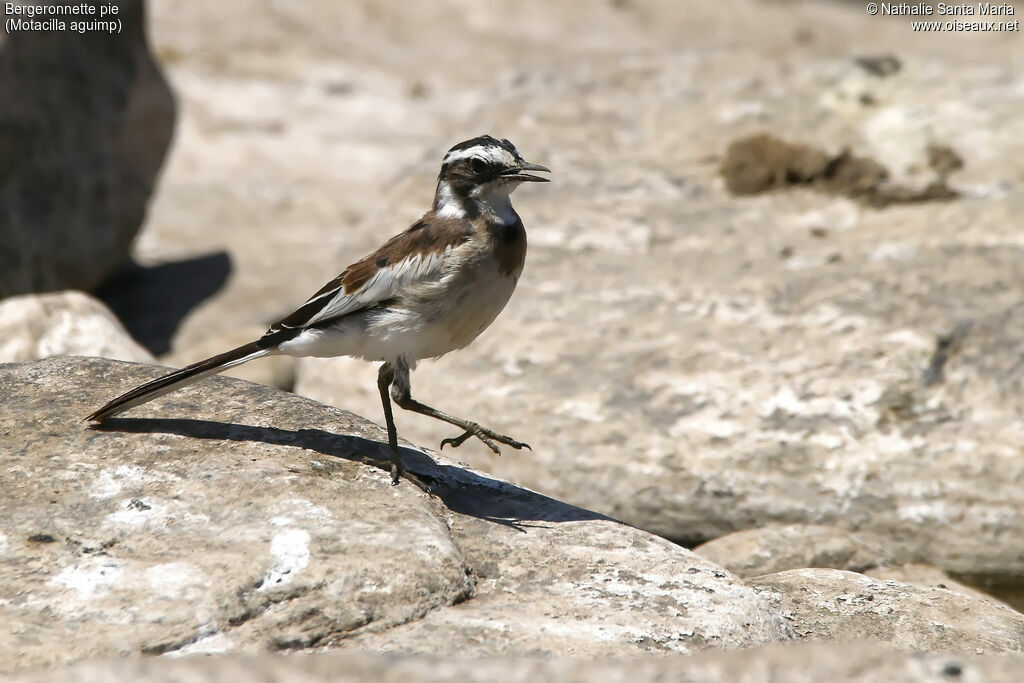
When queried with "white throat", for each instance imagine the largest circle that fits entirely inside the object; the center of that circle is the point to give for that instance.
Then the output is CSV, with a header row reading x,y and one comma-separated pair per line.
x,y
494,199
491,200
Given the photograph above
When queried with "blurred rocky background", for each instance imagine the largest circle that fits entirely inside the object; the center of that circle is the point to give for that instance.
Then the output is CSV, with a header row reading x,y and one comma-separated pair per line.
x,y
772,312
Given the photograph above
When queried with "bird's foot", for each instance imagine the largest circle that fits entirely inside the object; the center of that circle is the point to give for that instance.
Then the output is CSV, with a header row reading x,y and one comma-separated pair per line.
x,y
487,436
398,472
394,466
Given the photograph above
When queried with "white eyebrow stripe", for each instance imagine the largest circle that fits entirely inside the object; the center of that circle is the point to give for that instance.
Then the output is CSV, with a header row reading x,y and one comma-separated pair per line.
x,y
467,153
489,152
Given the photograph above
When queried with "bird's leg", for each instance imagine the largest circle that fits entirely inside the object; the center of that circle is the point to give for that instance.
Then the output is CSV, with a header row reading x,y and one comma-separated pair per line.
x,y
384,379
401,392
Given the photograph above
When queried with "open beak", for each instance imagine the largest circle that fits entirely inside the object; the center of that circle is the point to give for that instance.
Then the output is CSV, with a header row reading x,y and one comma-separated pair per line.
x,y
517,173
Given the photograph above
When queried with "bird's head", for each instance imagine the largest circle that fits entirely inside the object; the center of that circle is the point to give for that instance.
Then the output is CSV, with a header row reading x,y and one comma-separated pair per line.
x,y
479,174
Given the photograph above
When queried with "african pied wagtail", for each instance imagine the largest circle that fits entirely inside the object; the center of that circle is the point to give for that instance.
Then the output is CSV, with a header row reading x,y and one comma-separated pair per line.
x,y
429,290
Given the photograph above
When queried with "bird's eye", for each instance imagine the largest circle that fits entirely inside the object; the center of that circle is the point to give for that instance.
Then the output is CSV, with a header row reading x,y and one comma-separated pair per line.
x,y
478,166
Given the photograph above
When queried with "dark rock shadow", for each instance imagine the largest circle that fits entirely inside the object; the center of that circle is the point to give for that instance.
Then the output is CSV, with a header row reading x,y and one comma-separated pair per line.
x,y
86,120
462,491
152,301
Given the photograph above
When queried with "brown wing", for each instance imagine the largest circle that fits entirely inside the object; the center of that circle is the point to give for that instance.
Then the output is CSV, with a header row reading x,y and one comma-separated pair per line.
x,y
417,253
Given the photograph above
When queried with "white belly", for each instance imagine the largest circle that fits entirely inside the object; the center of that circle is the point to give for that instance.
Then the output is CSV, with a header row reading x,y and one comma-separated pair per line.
x,y
436,319
446,322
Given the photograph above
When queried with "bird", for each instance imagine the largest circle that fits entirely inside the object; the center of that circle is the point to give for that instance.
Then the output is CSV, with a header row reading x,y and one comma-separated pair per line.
x,y
427,291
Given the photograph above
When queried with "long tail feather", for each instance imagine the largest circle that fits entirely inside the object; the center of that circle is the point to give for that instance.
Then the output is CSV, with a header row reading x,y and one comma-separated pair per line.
x,y
179,379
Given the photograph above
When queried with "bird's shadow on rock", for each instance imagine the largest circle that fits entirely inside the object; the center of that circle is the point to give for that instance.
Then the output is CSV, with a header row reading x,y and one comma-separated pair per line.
x,y
461,490
152,301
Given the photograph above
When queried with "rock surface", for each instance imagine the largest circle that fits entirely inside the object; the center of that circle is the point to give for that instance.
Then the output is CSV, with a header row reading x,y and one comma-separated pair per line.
x,y
691,362
772,549
830,604
925,575
685,360
722,362
793,663
34,326
230,516
80,150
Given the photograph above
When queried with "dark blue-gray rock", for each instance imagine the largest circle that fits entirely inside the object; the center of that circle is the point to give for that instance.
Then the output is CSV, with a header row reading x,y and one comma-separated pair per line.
x,y
85,121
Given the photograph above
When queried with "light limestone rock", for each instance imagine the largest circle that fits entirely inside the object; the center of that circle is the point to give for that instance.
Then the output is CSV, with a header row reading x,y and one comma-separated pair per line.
x,y
776,548
792,663
926,575
229,516
830,604
685,360
34,326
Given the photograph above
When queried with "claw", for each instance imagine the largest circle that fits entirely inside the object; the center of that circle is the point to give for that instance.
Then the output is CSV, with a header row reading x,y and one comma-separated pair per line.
x,y
396,467
487,437
456,441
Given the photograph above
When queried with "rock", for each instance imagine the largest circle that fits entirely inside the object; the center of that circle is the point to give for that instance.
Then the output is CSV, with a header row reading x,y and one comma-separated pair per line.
x,y
229,538
829,604
761,163
233,517
772,549
668,368
604,592
87,118
793,663
35,326
925,575
275,371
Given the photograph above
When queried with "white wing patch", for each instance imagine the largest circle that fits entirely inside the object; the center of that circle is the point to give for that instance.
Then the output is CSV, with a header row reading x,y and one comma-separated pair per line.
x,y
384,284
